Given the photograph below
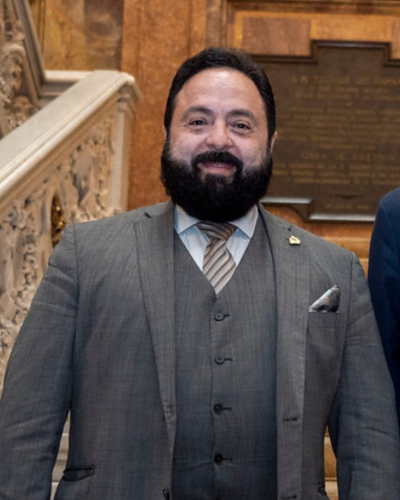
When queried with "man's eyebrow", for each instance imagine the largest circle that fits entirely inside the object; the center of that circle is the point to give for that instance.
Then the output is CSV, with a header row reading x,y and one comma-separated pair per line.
x,y
196,109
239,112
243,112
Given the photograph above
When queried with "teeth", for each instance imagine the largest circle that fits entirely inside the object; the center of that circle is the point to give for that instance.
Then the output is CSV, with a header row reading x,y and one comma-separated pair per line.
x,y
219,164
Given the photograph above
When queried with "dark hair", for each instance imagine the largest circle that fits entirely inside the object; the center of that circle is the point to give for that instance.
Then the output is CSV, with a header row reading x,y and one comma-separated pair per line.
x,y
219,57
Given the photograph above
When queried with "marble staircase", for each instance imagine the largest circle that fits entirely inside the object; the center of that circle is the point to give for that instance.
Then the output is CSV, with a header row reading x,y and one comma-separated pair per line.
x,y
64,152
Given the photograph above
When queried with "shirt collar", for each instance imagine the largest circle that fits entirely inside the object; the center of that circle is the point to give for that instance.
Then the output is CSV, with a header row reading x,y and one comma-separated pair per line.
x,y
246,224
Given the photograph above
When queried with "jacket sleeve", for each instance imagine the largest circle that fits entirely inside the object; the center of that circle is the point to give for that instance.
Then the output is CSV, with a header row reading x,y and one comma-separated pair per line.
x,y
363,424
37,386
384,282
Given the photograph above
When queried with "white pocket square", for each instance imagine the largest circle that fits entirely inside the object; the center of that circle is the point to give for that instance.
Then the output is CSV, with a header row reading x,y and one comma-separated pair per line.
x,y
328,302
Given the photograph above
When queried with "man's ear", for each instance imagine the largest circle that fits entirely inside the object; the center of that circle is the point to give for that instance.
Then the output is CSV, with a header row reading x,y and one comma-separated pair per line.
x,y
273,139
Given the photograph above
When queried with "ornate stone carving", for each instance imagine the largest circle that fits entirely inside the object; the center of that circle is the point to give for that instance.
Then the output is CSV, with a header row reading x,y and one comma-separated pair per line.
x,y
19,272
82,183
17,101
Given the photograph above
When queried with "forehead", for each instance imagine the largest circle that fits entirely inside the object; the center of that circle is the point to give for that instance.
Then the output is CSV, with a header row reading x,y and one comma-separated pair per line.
x,y
220,86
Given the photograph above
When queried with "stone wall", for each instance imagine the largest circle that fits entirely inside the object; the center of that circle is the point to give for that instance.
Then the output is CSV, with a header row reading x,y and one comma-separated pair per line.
x,y
79,34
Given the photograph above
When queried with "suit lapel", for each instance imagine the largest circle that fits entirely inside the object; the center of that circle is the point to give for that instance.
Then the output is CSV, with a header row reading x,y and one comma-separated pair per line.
x,y
292,271
155,236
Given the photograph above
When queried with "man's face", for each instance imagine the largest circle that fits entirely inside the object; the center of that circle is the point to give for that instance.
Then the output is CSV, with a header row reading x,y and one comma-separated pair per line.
x,y
216,162
219,110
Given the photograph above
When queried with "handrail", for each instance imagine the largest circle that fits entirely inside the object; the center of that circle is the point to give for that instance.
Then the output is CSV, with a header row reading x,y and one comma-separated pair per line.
x,y
26,152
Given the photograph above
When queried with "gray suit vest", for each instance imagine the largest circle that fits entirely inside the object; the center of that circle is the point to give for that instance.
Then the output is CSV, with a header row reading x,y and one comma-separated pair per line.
x,y
225,444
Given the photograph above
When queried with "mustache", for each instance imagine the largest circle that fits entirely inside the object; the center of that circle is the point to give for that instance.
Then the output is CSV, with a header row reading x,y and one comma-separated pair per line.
x,y
217,157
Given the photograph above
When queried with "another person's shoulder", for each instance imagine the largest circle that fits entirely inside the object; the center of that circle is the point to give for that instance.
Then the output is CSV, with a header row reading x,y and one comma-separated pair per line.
x,y
390,202
388,213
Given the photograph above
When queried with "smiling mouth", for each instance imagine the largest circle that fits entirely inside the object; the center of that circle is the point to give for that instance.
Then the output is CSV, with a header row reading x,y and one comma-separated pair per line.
x,y
217,167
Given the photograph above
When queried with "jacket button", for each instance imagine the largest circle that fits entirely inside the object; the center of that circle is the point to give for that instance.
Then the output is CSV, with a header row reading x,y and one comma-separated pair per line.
x,y
218,409
218,458
165,492
219,316
220,360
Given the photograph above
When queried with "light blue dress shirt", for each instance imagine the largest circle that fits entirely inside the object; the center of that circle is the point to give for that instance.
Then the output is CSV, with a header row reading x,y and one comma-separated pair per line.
x,y
196,241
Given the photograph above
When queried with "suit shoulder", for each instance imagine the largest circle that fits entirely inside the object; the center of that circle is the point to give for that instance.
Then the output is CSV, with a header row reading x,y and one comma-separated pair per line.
x,y
121,221
315,243
392,196
112,233
319,242
390,203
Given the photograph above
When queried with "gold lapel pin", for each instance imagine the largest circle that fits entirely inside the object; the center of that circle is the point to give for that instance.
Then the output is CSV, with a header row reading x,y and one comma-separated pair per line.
x,y
293,240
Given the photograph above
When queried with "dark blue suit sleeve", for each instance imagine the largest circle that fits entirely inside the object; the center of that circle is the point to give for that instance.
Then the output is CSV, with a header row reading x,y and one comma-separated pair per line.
x,y
384,281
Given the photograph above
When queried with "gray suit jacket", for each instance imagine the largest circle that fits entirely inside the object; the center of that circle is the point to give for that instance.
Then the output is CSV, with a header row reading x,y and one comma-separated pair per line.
x,y
99,341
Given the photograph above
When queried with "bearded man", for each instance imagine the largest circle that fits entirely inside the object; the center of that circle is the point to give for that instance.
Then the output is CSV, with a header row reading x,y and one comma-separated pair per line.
x,y
201,345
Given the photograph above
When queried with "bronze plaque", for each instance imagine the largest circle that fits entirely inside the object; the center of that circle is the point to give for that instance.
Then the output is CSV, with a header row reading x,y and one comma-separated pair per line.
x,y
338,118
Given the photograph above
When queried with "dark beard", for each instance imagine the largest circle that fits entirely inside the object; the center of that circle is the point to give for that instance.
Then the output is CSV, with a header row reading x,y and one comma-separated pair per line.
x,y
214,198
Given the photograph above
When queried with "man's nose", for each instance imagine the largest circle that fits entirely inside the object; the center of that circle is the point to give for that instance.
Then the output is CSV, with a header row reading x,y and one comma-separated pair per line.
x,y
218,137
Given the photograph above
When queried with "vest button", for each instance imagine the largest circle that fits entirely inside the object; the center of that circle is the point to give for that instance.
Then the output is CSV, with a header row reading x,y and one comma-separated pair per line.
x,y
218,458
220,360
219,316
218,408
166,494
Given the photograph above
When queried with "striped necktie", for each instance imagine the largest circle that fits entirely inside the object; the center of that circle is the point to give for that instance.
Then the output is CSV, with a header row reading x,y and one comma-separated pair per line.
x,y
218,263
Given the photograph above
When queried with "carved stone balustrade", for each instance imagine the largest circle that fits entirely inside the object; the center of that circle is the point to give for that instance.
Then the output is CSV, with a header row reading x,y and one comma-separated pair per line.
x,y
67,163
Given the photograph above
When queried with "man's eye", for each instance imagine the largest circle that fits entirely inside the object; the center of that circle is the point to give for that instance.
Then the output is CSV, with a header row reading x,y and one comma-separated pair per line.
x,y
242,126
197,122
